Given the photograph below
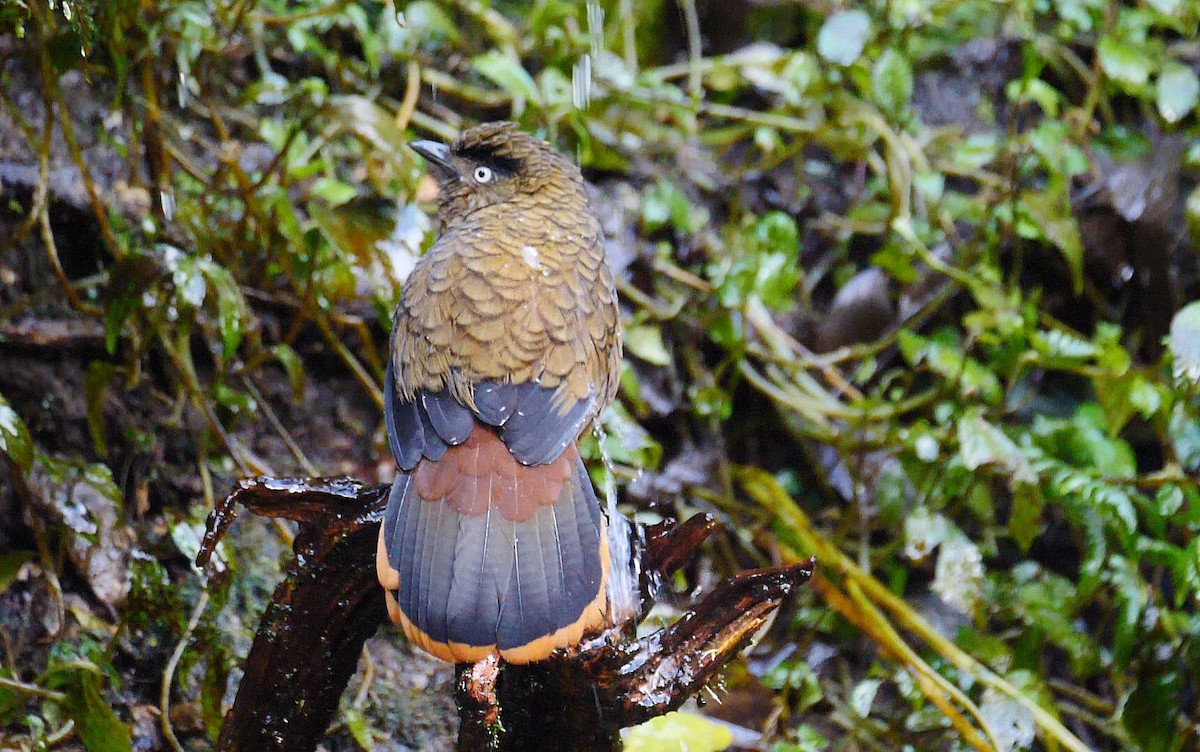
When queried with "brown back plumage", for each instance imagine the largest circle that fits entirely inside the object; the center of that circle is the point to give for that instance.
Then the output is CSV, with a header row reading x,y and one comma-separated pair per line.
x,y
517,287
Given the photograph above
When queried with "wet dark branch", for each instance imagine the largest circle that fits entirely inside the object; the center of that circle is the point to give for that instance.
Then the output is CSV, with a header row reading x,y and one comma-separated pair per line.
x,y
311,635
579,701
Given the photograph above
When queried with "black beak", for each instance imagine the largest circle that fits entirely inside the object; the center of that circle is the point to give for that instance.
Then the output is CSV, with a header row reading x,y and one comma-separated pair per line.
x,y
435,153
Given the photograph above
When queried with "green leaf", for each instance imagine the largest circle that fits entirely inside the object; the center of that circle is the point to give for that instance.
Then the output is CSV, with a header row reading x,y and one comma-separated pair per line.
x,y
333,191
665,204
232,311
1025,519
774,241
981,443
863,696
1184,343
95,387
356,724
426,19
1055,223
843,36
1150,713
507,73
1123,62
129,281
290,360
97,724
15,442
945,357
678,732
892,81
646,342
1177,92
1193,214
625,441
369,122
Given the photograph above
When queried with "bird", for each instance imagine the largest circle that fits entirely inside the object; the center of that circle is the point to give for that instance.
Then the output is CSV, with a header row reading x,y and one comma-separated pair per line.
x,y
505,348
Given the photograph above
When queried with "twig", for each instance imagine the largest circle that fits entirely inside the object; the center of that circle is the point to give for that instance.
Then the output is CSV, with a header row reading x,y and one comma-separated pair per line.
x,y
412,91
333,9
32,689
695,53
280,430
164,698
62,733
64,283
629,35
789,515
98,209
364,379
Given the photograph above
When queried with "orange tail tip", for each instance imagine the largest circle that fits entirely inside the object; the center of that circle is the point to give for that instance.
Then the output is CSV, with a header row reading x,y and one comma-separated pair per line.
x,y
480,554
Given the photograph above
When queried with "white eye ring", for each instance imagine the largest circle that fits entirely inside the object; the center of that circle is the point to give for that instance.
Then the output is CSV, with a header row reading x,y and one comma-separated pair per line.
x,y
482,174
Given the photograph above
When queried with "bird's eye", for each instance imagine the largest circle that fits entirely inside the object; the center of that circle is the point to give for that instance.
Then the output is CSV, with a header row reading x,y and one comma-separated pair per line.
x,y
483,174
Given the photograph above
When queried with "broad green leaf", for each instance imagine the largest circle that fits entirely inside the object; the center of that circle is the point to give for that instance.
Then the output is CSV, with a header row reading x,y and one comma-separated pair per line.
x,y
976,151
97,724
1185,436
981,443
1123,62
232,311
426,19
1150,713
665,204
369,122
290,360
843,36
507,73
646,342
625,441
863,696
333,191
678,732
1193,213
892,81
130,279
947,359
1177,92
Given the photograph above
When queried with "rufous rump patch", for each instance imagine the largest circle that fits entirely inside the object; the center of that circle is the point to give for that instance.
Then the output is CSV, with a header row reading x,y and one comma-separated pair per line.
x,y
482,471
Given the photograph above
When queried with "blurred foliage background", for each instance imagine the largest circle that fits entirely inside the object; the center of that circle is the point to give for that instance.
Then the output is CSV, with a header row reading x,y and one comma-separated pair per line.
x,y
902,285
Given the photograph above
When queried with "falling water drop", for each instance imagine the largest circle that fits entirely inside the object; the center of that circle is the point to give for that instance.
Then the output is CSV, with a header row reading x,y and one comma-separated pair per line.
x,y
581,83
182,86
625,570
595,25
166,198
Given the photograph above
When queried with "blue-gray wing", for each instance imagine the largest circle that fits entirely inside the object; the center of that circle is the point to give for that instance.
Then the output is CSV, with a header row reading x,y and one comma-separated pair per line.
x,y
533,420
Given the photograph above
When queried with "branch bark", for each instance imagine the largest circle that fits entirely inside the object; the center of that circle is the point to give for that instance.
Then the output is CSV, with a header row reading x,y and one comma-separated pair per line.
x,y
329,604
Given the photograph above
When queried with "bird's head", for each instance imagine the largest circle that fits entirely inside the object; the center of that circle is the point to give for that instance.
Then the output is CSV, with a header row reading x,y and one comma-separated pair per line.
x,y
495,163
